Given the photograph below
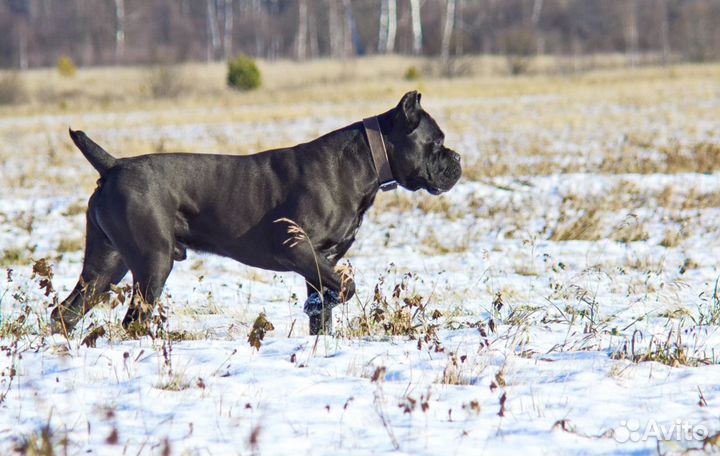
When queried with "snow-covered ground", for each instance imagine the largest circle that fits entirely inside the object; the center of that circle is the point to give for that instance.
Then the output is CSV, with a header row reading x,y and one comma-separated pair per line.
x,y
578,309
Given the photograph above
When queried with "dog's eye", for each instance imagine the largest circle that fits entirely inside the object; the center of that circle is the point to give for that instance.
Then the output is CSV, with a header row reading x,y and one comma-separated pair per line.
x,y
438,143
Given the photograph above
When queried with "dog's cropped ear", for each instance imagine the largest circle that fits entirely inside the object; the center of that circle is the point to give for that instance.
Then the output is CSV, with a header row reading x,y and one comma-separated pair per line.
x,y
409,109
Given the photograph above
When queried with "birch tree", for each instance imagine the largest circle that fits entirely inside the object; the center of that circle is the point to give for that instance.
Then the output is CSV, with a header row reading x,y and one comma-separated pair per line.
x,y
351,34
416,22
458,21
631,32
314,45
534,21
447,31
537,9
383,27
213,42
392,26
387,29
335,29
302,30
664,31
22,48
228,29
119,30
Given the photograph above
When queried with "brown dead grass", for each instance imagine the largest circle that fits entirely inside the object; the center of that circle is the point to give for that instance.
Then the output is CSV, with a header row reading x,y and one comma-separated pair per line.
x,y
700,157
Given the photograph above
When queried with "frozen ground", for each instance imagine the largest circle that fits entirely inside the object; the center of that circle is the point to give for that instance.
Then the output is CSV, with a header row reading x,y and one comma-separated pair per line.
x,y
578,310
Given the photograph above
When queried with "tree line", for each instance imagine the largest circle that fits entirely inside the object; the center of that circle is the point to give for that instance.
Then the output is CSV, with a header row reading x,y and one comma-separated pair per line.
x,y
101,32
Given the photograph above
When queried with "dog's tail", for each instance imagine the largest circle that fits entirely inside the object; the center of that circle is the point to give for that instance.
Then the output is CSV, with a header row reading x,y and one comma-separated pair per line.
x,y
96,155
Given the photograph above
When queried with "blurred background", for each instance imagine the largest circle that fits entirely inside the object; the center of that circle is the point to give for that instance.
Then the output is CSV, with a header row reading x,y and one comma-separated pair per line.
x,y
104,32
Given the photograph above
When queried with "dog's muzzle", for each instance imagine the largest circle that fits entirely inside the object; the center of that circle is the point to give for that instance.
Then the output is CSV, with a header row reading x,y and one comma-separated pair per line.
x,y
448,174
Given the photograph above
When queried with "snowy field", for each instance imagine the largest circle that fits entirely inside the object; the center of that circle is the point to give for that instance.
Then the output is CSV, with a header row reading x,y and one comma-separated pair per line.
x,y
561,299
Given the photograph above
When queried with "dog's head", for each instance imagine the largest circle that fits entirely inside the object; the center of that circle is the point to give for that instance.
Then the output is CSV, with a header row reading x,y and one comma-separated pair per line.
x,y
418,158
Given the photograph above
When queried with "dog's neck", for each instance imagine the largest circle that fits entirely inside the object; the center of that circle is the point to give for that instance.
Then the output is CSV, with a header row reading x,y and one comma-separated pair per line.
x,y
378,151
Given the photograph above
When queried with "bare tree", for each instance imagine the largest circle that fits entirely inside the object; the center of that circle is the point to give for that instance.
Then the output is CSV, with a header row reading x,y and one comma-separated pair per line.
x,y
383,27
388,26
459,8
22,47
416,26
259,21
352,36
534,21
631,31
213,42
21,28
302,30
447,31
185,7
314,46
537,9
119,30
228,29
664,31
392,26
36,32
335,29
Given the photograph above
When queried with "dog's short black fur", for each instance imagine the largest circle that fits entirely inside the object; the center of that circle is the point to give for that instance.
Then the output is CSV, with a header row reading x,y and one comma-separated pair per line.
x,y
147,210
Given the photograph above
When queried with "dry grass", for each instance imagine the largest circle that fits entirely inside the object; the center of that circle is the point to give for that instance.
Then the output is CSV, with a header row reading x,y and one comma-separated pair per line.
x,y
632,229
459,371
408,202
174,382
372,78
12,89
700,157
75,244
610,120
674,235
512,222
18,255
698,199
399,312
670,349
164,81
583,227
601,121
585,217
437,244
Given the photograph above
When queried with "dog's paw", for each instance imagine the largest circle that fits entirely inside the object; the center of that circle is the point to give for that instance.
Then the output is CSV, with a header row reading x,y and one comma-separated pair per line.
x,y
314,305
59,327
62,321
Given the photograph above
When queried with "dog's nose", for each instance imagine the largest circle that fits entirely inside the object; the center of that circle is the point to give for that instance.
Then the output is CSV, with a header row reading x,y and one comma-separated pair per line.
x,y
455,156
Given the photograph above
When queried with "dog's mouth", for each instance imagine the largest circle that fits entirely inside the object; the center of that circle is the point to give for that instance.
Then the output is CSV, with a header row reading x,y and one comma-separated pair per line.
x,y
444,180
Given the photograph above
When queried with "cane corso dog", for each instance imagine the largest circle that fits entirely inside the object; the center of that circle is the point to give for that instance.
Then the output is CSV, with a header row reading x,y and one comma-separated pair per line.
x,y
148,210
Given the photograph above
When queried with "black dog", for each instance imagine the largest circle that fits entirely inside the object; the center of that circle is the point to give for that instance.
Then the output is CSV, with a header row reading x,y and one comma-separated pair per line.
x,y
147,210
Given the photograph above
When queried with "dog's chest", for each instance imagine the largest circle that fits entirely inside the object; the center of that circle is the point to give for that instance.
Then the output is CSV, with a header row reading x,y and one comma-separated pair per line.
x,y
337,247
345,236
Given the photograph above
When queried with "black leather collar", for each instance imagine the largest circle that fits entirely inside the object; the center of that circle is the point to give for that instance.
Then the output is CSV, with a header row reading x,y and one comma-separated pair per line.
x,y
379,153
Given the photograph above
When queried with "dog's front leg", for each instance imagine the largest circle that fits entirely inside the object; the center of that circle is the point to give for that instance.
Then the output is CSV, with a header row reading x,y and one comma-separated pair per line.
x,y
326,288
325,291
319,309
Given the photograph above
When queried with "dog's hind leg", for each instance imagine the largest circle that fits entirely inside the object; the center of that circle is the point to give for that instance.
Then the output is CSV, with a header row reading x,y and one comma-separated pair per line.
x,y
102,266
143,234
150,272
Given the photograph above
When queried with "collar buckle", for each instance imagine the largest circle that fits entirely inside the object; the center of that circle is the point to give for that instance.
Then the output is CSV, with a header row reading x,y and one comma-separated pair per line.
x,y
389,185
